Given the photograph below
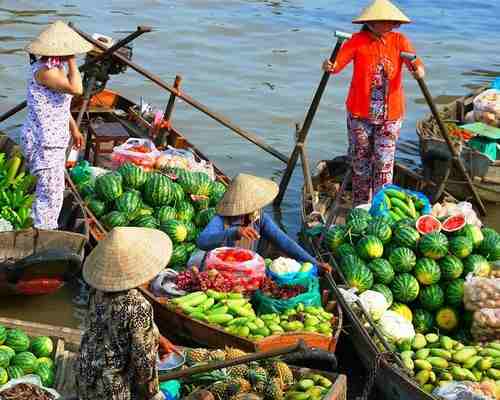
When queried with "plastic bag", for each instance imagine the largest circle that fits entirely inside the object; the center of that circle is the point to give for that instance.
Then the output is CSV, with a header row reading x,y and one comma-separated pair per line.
x,y
481,293
81,172
447,209
374,303
243,267
175,158
395,327
486,324
268,305
141,152
294,268
31,379
487,107
465,391
380,207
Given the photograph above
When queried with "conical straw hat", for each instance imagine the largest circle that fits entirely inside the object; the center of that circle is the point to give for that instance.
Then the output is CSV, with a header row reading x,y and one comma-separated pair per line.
x,y
58,39
381,10
246,194
127,258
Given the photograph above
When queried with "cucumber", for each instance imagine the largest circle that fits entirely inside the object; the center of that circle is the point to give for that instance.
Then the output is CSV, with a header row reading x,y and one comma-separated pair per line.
x,y
394,216
411,207
394,193
220,319
400,213
422,377
494,373
387,201
464,354
490,352
397,203
472,361
494,345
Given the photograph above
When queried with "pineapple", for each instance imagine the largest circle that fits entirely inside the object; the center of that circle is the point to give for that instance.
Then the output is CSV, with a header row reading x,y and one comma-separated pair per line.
x,y
257,374
246,396
232,353
238,371
273,390
260,386
283,372
217,355
243,384
196,356
223,391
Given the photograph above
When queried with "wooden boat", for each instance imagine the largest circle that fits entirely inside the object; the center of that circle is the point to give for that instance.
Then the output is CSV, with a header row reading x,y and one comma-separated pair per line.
x,y
391,381
67,343
108,106
436,156
38,261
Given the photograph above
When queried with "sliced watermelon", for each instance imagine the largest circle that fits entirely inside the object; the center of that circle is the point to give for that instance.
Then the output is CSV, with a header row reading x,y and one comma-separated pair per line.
x,y
428,224
454,223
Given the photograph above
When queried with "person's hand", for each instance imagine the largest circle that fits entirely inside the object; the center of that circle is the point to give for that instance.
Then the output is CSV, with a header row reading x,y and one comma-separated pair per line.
x,y
418,73
248,232
77,139
165,348
325,268
328,66
70,59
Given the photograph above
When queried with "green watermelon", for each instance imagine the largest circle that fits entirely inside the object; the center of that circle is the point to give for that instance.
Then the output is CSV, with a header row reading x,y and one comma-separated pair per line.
x,y
487,232
461,246
359,277
370,247
185,211
45,361
109,186
200,203
406,236
204,217
349,262
382,271
389,248
473,233
145,221
423,321
379,287
334,237
356,227
402,259
128,203
431,297
17,340
190,248
197,183
359,214
7,350
447,319
165,213
15,372
87,189
404,222
134,177
490,247
178,195
385,219
451,267
96,206
192,231
4,359
42,346
158,190
454,293
381,230
25,360
3,334
434,245
46,374
4,376
343,250
114,219
404,288
427,271
217,191
179,256
176,230
477,265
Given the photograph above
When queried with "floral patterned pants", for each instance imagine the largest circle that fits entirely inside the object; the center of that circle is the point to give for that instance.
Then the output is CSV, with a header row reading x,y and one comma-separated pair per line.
x,y
371,148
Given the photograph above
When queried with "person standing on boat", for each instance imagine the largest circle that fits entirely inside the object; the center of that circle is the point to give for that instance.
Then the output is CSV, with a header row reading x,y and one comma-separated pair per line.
x,y
120,344
49,124
375,104
242,223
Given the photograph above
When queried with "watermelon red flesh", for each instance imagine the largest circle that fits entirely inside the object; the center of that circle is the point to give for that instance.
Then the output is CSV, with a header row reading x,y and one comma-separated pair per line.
x,y
428,224
454,223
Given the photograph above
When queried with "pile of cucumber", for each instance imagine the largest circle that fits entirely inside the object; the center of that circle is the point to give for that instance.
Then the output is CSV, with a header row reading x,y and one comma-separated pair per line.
x,y
401,205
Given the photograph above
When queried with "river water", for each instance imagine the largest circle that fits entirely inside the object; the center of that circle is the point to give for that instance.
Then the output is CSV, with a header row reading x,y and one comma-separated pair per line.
x,y
257,62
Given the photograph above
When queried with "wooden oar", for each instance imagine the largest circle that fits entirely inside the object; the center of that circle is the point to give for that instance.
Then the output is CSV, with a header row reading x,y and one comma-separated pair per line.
x,y
299,347
107,52
341,36
444,132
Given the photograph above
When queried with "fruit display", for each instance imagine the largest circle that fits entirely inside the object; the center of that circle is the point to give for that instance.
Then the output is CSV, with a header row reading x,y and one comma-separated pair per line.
x,y
398,204
21,355
130,196
235,314
193,280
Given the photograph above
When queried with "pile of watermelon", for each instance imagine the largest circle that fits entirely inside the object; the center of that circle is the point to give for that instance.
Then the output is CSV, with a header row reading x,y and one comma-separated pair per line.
x,y
180,203
421,275
21,355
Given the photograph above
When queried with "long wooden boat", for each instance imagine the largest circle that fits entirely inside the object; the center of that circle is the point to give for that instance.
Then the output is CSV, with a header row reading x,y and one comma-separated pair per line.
x,y
108,106
38,261
391,381
435,155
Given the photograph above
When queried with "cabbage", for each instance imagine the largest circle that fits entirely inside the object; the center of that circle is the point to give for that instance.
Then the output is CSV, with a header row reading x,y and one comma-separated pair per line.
x,y
374,303
395,327
283,265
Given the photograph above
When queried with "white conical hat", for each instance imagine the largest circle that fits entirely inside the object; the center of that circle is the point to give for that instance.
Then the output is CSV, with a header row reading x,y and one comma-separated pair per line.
x,y
381,10
127,258
58,39
246,194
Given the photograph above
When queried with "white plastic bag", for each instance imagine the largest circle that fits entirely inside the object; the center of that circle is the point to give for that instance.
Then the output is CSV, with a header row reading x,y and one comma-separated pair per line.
x,y
31,379
487,107
374,303
395,327
125,153
465,391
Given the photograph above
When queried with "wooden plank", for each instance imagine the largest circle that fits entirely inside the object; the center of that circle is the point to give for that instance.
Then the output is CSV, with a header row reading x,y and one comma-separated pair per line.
x,y
36,329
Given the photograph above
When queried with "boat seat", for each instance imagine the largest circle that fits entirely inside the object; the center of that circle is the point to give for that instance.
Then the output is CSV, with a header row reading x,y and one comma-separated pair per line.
x,y
103,136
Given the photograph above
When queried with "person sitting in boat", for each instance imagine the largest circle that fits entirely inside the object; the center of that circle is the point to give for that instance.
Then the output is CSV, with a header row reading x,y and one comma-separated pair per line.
x,y
120,343
242,223
48,125
375,104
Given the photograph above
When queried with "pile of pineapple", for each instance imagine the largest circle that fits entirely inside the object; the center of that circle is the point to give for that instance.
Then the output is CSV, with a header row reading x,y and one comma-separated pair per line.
x,y
266,380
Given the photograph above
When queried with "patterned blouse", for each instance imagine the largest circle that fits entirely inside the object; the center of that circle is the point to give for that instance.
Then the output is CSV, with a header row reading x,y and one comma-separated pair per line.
x,y
119,348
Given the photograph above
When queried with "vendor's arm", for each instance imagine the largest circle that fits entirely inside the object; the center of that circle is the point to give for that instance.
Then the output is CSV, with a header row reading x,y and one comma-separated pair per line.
x,y
344,57
416,67
57,79
75,133
270,231
214,235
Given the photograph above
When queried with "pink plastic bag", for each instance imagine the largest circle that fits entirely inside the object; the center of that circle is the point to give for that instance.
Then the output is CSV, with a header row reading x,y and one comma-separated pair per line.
x,y
141,152
244,267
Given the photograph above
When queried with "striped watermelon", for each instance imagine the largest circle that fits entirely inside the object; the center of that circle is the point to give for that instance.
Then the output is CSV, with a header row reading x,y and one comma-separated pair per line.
x,y
490,248
349,262
389,248
4,359
454,293
406,236
487,232
192,231
382,271
427,271
334,237
180,256
25,360
4,376
46,374
423,321
370,247
128,203
359,277
109,186
133,176
87,189
114,219
17,340
477,265
434,245
404,222
200,202
356,227
165,213
217,192
7,350
145,221
45,361
402,259
473,233
461,246
379,287
344,250
405,288
176,230
158,190
178,195
359,214
447,319
403,310
42,346
431,297
204,217
381,230
97,206
15,372
185,211
3,334
451,267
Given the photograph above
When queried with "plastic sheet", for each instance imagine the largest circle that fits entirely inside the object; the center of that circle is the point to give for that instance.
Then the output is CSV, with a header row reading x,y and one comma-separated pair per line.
x,y
380,207
125,153
465,391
